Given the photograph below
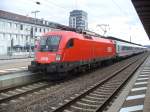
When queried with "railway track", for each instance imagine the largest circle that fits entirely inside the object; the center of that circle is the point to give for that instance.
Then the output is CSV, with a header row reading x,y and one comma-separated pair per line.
x,y
7,95
13,94
97,97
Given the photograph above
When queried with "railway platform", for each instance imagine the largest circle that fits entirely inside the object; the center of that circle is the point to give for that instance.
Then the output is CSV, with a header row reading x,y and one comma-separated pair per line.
x,y
14,72
15,65
135,96
16,55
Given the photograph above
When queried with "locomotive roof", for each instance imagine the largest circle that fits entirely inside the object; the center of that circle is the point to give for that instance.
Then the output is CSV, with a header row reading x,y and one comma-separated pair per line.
x,y
114,38
82,35
62,32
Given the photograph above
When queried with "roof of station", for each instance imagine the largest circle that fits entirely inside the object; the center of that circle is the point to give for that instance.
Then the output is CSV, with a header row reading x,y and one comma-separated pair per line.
x,y
143,9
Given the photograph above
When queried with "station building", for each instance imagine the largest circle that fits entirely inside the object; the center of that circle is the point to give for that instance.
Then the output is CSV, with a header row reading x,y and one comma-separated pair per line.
x,y
78,19
18,33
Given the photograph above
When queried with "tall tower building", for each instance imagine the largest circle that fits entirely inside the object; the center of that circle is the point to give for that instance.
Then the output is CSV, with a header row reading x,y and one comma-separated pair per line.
x,y
78,19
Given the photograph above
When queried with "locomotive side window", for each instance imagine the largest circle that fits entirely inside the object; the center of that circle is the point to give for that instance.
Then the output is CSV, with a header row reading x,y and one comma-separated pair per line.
x,y
70,43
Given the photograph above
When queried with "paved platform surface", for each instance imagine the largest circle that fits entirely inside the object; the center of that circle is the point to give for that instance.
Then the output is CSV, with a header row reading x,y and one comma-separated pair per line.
x,y
6,65
14,72
135,97
16,79
16,55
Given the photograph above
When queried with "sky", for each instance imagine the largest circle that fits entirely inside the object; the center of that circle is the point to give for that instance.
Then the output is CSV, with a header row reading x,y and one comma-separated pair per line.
x,y
119,16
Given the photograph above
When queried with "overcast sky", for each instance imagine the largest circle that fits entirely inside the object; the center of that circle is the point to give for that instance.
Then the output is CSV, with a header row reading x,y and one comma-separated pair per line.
x,y
120,15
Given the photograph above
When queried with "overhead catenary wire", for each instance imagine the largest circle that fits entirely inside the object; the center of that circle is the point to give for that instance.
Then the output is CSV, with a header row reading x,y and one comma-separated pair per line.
x,y
125,14
45,5
49,3
120,9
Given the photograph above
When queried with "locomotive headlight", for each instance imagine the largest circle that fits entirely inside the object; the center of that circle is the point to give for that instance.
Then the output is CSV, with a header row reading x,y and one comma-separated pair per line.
x,y
58,57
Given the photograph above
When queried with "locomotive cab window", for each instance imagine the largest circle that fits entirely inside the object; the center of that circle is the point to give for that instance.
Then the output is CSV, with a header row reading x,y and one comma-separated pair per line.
x,y
70,43
49,43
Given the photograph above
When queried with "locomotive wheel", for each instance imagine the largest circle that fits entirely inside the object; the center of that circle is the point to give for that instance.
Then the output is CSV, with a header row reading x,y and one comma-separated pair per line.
x,y
32,69
55,76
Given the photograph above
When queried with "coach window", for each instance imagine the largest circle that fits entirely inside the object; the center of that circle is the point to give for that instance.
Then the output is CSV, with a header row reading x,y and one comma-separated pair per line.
x,y
21,27
35,29
70,43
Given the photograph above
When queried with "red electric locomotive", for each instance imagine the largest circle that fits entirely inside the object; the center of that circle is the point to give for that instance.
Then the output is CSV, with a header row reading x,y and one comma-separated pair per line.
x,y
63,51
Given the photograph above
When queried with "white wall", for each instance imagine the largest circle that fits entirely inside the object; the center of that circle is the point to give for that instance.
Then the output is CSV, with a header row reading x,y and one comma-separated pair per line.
x,y
11,30
3,44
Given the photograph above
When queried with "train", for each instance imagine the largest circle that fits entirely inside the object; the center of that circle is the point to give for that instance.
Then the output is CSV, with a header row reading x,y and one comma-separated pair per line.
x,y
64,51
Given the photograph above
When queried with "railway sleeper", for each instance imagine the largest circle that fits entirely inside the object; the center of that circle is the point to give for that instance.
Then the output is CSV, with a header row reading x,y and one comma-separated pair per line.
x,y
97,95
103,90
107,88
96,98
79,109
85,105
110,87
112,83
20,90
92,102
102,93
89,100
13,92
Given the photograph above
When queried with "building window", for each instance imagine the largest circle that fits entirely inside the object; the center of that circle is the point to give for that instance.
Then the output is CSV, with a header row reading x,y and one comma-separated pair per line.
x,y
28,28
22,37
7,36
8,25
44,30
21,27
1,36
26,38
1,25
40,30
35,29
15,26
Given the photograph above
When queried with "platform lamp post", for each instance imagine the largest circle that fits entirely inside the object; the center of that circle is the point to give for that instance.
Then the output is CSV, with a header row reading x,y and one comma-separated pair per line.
x,y
32,30
11,47
33,34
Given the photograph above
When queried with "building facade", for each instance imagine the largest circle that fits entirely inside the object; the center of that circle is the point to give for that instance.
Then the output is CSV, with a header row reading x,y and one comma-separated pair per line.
x,y
78,19
18,33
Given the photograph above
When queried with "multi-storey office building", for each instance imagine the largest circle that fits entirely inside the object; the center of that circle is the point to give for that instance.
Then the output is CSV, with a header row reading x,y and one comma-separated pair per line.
x,y
16,32
78,19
